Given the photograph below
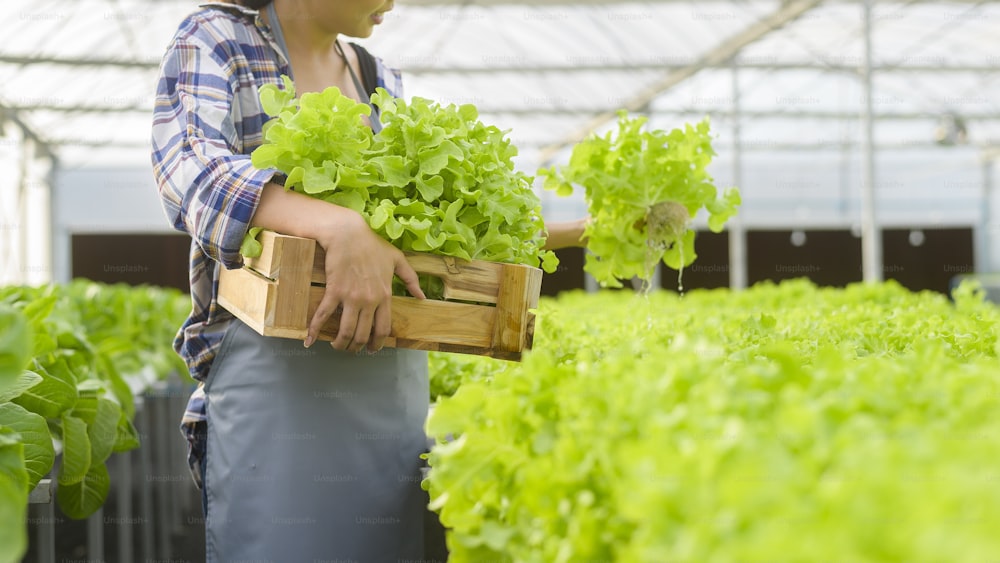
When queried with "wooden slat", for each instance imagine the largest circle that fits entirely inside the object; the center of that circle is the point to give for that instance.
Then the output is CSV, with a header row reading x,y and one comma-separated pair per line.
x,y
246,295
428,321
294,272
419,323
464,280
519,289
454,348
265,264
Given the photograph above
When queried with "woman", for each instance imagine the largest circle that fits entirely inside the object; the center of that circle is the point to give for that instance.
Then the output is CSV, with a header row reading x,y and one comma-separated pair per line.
x,y
302,453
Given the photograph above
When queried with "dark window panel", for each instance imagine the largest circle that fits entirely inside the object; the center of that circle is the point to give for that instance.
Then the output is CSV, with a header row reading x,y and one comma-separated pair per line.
x,y
709,270
827,257
135,259
928,259
569,274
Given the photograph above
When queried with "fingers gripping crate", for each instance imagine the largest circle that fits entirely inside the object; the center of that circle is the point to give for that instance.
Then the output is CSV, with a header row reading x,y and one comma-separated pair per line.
x,y
277,293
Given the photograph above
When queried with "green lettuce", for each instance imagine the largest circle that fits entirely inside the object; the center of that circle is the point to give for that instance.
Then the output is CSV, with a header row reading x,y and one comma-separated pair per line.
x,y
434,179
779,423
13,497
642,188
63,349
15,478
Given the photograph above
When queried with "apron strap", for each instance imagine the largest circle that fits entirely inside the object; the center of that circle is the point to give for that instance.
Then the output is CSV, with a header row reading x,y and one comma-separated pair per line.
x,y
376,124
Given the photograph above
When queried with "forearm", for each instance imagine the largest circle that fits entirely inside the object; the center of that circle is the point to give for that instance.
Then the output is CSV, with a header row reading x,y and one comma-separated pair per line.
x,y
564,234
299,215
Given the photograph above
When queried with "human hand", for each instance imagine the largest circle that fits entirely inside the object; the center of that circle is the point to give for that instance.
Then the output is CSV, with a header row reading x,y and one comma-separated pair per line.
x,y
359,270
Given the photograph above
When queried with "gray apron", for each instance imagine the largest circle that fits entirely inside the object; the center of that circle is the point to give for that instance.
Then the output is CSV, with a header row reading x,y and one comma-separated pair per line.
x,y
314,454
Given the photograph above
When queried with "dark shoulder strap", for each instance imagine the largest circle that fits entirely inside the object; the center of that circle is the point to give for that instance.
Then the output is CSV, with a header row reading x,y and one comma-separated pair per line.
x,y
369,68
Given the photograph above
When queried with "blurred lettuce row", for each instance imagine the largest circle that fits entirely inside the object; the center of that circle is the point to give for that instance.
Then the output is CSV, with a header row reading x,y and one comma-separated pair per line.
x,y
72,359
784,422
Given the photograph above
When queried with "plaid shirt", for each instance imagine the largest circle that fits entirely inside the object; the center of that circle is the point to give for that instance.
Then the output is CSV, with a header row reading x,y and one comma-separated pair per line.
x,y
206,122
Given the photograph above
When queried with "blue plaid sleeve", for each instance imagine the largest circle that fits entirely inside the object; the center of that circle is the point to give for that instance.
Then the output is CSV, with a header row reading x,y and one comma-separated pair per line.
x,y
207,187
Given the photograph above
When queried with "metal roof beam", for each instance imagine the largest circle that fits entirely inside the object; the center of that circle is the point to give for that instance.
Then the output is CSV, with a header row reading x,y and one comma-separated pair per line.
x,y
44,146
491,3
84,108
656,64
576,112
749,145
763,146
749,114
90,143
677,66
841,145
78,61
723,52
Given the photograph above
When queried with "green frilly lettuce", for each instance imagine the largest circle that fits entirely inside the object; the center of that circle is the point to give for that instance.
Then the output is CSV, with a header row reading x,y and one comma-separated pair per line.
x,y
631,181
434,179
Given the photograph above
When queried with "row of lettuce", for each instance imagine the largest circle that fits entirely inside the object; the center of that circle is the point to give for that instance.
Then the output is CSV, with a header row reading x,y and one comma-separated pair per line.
x,y
782,423
73,358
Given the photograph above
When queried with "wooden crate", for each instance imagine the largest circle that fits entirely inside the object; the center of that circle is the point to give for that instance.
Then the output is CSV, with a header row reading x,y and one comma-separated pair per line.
x,y
277,293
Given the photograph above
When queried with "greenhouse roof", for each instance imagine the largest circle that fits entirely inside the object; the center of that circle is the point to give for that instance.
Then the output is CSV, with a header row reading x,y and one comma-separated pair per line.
x,y
78,75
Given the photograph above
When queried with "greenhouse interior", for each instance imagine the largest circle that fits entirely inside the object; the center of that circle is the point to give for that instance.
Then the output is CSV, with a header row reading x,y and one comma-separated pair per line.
x,y
715,281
